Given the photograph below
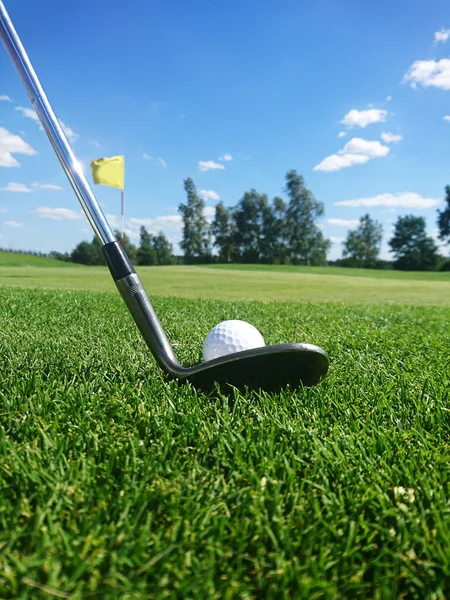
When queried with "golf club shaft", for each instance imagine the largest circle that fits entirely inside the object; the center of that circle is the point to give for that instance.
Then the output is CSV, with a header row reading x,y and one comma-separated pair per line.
x,y
118,262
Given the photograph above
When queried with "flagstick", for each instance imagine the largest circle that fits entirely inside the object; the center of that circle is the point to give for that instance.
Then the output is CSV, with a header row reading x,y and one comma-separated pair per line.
x,y
122,241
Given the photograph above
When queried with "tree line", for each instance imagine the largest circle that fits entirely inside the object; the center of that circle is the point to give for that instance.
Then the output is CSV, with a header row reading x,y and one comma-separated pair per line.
x,y
152,250
287,232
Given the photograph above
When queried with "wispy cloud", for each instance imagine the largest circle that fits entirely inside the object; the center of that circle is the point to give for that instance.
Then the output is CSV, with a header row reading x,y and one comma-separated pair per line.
x,y
95,143
343,222
156,223
5,98
209,165
209,195
70,133
112,220
28,113
356,151
446,118
58,214
362,118
388,98
13,224
226,156
46,186
441,36
12,144
16,188
3,209
399,200
429,73
391,138
342,134
158,161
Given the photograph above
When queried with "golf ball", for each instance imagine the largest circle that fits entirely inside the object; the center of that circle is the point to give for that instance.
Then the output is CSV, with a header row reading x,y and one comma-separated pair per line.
x,y
231,336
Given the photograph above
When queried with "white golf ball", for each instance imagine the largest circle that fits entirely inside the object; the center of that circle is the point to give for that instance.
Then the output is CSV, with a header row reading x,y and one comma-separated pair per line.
x,y
231,336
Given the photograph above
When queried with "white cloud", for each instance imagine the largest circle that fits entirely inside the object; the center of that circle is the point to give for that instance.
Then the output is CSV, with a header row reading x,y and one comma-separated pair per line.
x,y
28,113
343,222
209,211
446,118
113,220
362,118
16,187
58,214
169,222
355,152
12,144
46,186
441,36
391,138
400,200
388,98
3,209
226,156
429,73
13,224
209,165
342,134
5,98
209,195
336,240
70,133
95,143
159,161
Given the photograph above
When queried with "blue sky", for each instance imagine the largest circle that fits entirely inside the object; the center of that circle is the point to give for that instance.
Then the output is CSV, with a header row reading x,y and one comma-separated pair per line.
x,y
353,95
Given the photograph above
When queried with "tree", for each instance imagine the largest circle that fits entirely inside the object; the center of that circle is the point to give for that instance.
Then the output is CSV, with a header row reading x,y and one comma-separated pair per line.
x,y
146,254
250,219
363,243
222,230
306,243
413,250
277,242
129,248
444,218
196,232
88,253
163,249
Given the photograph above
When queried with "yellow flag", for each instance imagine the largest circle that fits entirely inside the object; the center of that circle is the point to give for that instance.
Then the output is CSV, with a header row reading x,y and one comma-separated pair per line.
x,y
109,171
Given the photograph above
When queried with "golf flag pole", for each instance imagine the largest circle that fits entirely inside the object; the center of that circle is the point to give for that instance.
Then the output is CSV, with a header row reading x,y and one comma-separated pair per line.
x,y
123,218
111,172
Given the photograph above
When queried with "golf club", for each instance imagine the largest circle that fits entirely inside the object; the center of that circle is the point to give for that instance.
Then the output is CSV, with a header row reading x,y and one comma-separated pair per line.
x,y
269,367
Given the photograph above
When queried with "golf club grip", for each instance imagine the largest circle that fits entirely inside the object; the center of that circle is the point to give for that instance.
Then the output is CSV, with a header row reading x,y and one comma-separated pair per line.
x,y
143,313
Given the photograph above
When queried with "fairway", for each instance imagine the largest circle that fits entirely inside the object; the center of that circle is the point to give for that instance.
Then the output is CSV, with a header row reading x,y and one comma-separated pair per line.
x,y
298,285
116,483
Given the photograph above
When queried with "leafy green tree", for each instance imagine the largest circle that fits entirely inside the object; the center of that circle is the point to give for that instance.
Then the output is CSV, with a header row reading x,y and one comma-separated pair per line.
x,y
146,254
412,248
276,241
88,253
129,248
163,249
444,218
196,242
306,243
363,243
251,219
222,230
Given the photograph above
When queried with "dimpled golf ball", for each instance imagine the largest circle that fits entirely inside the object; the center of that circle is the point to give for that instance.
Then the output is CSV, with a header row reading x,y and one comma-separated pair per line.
x,y
231,336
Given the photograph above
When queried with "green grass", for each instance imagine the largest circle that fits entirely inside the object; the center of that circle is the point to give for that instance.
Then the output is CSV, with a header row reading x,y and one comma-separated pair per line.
x,y
346,271
243,284
115,483
12,259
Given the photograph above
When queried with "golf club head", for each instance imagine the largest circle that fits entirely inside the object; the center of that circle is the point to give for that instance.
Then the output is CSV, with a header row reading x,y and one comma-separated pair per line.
x,y
269,368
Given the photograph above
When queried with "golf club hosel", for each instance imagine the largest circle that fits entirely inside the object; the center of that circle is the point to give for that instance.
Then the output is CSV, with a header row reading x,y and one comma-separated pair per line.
x,y
139,305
